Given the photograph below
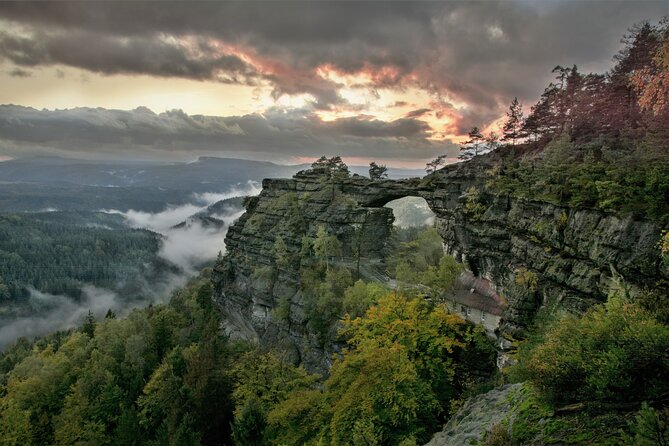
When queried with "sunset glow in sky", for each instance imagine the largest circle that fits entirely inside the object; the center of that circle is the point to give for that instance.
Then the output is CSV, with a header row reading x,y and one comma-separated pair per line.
x,y
398,82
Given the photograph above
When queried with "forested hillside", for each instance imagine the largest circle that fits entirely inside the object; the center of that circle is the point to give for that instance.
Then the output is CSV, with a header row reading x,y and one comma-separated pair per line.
x,y
57,252
592,140
167,375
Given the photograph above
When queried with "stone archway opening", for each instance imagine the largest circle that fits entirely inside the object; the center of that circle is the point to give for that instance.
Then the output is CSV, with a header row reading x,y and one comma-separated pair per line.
x,y
471,297
411,212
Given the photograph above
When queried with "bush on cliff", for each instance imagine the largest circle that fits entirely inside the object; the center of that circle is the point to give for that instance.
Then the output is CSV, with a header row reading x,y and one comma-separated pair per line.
x,y
616,352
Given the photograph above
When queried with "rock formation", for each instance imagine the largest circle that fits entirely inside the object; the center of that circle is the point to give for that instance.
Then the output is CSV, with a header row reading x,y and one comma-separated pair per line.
x,y
534,253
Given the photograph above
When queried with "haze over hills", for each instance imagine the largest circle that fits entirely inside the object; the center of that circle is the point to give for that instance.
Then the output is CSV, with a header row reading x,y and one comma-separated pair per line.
x,y
179,214
39,183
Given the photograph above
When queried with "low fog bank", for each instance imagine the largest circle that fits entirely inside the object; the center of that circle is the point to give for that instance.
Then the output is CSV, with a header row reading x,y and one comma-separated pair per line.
x,y
58,312
173,215
189,241
191,237
194,243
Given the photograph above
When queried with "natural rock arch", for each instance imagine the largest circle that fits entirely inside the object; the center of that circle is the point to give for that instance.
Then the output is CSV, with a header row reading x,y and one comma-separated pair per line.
x,y
533,252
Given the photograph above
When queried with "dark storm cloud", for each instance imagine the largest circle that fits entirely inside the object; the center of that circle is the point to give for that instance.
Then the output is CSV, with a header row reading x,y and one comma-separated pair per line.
x,y
371,128
482,53
276,134
114,55
417,113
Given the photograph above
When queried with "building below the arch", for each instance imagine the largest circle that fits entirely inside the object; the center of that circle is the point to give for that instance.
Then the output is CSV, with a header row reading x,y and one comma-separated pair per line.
x,y
477,301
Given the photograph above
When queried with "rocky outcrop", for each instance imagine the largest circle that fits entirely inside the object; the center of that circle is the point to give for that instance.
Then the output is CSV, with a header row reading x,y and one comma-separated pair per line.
x,y
478,415
250,281
534,253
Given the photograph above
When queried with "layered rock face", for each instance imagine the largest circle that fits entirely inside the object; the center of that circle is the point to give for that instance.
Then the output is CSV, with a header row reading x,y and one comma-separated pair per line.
x,y
533,253
250,280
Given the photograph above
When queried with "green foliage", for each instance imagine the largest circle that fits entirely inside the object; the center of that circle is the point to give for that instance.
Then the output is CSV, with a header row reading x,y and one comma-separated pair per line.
x,y
281,311
655,300
325,305
249,426
423,248
512,128
262,381
326,246
476,145
36,390
420,263
157,376
265,274
526,279
498,436
664,243
377,171
532,421
361,296
473,206
443,278
287,204
392,386
57,252
281,254
612,175
664,248
332,167
379,385
650,428
561,221
433,166
89,325
614,352
306,245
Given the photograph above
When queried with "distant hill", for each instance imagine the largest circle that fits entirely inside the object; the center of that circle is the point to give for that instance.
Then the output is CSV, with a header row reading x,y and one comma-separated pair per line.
x,y
53,183
204,175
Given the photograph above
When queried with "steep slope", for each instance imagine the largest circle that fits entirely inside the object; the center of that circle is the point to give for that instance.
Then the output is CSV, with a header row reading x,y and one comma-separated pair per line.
x,y
533,253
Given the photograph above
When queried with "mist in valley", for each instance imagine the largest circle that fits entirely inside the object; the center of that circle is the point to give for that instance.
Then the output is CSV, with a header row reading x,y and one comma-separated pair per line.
x,y
191,236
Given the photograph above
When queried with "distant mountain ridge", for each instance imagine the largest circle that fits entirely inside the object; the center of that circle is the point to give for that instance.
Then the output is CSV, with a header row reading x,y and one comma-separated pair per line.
x,y
204,175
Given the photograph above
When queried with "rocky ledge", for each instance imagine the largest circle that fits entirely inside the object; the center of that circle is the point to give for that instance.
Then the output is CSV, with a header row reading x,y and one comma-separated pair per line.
x,y
533,253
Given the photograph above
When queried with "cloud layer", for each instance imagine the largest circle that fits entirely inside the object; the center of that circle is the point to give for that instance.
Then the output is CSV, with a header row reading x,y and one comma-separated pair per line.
x,y
475,51
56,312
444,65
272,135
193,243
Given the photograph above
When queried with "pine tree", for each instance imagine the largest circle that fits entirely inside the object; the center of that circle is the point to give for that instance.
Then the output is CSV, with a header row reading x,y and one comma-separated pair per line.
x,y
326,246
474,146
377,171
89,325
433,165
333,167
512,129
281,253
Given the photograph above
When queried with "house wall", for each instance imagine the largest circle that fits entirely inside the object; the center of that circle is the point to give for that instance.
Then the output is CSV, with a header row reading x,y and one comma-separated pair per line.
x,y
490,322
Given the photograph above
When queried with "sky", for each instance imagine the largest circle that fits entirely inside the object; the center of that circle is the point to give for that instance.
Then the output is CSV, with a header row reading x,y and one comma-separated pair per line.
x,y
397,82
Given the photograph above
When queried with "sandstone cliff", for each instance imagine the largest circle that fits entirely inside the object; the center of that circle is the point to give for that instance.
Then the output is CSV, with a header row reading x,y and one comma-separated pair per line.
x,y
534,253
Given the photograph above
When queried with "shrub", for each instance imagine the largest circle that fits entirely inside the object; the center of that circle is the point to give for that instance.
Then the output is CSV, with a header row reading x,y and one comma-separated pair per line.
x,y
498,436
615,352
